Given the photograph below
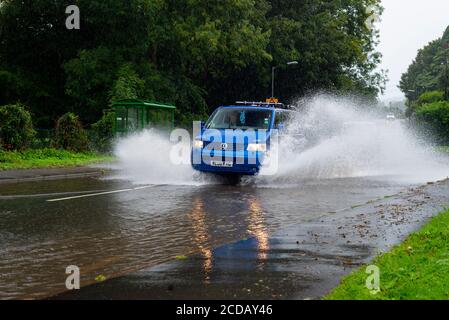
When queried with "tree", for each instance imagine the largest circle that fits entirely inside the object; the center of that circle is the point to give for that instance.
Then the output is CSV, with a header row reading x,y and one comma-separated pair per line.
x,y
192,53
429,70
333,43
128,84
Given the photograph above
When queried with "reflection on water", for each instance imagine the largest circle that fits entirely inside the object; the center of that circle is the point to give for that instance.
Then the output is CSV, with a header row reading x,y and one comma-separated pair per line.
x,y
202,231
201,235
257,228
116,234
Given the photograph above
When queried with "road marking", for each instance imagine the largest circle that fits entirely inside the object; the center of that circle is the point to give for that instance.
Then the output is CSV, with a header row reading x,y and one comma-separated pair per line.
x,y
41,195
101,193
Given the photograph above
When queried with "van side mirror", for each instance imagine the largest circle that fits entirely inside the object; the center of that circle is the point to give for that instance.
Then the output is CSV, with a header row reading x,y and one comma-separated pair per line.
x,y
203,124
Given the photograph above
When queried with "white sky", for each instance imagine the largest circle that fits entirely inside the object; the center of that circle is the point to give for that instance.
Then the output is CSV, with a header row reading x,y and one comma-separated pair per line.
x,y
406,26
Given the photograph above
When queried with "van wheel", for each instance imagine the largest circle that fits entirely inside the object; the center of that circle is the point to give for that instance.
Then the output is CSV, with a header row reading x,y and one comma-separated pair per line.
x,y
231,179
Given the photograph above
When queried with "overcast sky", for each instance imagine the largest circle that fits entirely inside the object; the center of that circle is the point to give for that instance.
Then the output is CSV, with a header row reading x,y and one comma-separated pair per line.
x,y
406,26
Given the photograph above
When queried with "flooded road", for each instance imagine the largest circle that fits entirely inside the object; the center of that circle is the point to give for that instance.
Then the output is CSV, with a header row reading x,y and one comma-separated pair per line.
x,y
113,234
153,224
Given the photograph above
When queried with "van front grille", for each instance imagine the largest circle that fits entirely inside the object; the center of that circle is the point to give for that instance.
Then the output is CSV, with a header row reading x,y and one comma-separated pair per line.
x,y
230,146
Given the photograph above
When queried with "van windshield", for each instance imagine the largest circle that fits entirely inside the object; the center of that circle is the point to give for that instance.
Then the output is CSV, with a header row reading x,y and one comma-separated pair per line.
x,y
240,119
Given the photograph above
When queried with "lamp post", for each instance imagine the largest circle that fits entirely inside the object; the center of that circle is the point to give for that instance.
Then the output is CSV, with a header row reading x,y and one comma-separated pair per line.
x,y
446,77
273,69
415,93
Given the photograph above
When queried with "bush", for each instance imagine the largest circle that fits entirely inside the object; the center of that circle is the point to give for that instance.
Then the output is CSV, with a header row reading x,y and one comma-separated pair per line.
x,y
430,97
70,134
16,127
103,133
434,117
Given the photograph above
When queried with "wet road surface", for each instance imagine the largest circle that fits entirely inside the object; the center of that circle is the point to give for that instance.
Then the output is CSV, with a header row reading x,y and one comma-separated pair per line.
x,y
209,241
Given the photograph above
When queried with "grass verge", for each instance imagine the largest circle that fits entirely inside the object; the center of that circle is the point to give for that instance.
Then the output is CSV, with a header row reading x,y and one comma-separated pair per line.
x,y
48,158
418,269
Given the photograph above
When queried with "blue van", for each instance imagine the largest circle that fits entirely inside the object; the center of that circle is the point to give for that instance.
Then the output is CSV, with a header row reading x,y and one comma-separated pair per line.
x,y
237,138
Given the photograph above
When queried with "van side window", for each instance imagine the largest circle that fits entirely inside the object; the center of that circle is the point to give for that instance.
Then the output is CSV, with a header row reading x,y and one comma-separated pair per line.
x,y
287,117
278,120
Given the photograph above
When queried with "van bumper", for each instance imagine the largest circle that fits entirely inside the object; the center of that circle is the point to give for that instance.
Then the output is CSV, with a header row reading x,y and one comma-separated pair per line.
x,y
243,163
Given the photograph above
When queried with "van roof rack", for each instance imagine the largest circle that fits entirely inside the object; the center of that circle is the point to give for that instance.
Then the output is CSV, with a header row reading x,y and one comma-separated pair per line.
x,y
264,104
258,103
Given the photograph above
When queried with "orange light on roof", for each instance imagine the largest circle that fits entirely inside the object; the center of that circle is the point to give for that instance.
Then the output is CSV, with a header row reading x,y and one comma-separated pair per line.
x,y
272,100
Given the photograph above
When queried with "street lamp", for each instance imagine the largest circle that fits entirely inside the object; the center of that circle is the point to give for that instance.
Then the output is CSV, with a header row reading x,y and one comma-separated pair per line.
x,y
446,80
273,69
414,93
445,46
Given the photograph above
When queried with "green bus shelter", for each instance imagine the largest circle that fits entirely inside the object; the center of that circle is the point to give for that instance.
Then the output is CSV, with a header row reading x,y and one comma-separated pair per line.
x,y
134,114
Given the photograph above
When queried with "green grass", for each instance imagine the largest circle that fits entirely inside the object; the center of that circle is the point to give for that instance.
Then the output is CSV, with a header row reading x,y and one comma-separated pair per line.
x,y
48,158
418,269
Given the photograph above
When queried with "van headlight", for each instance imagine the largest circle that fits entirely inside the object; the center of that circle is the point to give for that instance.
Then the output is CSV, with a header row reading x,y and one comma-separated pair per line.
x,y
198,144
256,147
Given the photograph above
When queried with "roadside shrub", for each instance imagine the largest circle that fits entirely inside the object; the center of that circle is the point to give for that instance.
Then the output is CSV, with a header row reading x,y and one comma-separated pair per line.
x,y
103,133
430,97
6,156
16,127
70,134
434,119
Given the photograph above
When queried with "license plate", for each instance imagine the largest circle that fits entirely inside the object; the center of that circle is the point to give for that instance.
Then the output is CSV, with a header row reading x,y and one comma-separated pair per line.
x,y
222,164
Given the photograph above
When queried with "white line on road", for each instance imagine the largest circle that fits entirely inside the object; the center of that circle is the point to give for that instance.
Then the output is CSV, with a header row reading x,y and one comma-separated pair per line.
x,y
101,193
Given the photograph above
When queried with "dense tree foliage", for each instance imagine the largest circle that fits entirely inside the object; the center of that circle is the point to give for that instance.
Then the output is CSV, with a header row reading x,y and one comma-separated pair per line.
x,y
424,99
195,54
434,119
429,71
426,86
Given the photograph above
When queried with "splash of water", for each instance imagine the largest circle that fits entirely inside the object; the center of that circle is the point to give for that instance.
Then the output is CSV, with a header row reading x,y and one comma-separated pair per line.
x,y
144,158
344,140
347,140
